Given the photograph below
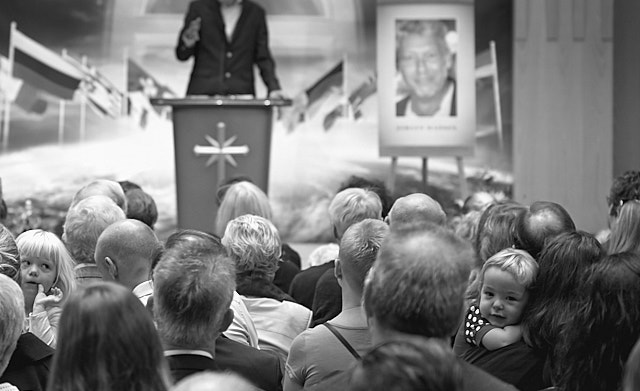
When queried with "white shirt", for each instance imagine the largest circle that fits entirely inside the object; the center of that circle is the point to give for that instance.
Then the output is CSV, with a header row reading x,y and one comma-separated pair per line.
x,y
143,291
230,15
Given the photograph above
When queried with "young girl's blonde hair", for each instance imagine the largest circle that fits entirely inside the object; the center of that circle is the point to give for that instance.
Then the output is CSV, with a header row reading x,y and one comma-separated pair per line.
x,y
519,263
46,245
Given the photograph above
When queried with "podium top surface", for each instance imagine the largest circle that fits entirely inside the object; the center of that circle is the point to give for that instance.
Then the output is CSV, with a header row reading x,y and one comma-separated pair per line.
x,y
219,101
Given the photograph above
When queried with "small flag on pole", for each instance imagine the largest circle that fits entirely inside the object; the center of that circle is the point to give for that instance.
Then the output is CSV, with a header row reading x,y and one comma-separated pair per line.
x,y
42,68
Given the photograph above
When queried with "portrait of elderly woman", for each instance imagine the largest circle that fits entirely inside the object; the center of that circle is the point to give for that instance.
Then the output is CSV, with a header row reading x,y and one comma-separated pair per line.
x,y
253,243
425,65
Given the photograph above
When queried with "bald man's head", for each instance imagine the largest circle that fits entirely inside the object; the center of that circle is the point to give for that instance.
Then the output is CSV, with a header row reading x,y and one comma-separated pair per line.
x,y
414,210
125,251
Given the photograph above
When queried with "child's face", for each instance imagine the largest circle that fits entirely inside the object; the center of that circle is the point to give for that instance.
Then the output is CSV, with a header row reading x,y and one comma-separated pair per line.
x,y
502,298
37,270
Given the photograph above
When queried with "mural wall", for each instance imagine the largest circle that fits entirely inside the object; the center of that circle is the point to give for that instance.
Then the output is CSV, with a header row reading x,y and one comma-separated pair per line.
x,y
314,148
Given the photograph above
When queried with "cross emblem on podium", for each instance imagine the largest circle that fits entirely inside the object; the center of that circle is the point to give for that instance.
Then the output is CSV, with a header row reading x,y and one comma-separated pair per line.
x,y
221,150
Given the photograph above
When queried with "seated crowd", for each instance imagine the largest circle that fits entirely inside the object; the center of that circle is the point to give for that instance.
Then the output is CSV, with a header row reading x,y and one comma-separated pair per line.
x,y
496,296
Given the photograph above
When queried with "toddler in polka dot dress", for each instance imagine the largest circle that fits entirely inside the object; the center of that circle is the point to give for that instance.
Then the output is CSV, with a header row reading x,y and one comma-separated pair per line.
x,y
493,321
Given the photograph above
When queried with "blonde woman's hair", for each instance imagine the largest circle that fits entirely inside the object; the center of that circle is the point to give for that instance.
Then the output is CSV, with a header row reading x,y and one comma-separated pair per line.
x,y
240,199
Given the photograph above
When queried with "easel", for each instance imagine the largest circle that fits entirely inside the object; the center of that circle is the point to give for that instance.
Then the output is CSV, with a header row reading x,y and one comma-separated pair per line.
x,y
462,185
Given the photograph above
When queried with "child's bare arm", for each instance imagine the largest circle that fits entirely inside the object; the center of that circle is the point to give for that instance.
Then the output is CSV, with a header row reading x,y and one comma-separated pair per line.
x,y
500,337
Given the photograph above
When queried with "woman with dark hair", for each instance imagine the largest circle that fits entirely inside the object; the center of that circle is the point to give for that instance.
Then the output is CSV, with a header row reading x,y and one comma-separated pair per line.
x,y
599,338
563,265
107,341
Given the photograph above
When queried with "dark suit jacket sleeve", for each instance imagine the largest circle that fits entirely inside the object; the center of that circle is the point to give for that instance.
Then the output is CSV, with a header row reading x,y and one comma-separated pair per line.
x,y
182,52
263,58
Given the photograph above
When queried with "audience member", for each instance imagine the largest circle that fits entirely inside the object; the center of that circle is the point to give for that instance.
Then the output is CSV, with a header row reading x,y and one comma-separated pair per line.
x,y
496,231
253,244
542,221
417,287
323,254
490,335
194,283
243,197
410,364
124,253
107,342
599,337
242,329
141,206
214,381
83,225
478,202
47,279
414,209
319,356
374,185
554,300
29,366
11,320
348,207
625,187
466,226
625,229
103,187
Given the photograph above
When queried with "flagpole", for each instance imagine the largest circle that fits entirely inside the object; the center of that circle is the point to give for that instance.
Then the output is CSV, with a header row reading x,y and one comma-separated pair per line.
x,y
125,93
7,105
61,112
83,106
345,100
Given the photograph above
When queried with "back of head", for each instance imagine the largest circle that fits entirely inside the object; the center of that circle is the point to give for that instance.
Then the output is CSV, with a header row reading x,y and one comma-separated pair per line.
x,y
94,354
37,243
241,198
542,221
253,243
351,206
214,381
409,364
11,318
600,336
375,185
9,255
496,228
563,265
85,222
104,187
141,206
359,248
625,187
131,245
417,283
193,287
416,208
625,229
478,202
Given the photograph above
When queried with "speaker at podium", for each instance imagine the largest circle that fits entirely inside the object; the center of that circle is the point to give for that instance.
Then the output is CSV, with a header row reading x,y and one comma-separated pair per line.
x,y
216,138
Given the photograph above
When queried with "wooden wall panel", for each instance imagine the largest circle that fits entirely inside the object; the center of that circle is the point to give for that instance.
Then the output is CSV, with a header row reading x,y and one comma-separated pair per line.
x,y
563,108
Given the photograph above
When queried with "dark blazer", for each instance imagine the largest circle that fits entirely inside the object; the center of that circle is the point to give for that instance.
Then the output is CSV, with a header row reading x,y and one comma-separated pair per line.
x,y
223,67
259,367
183,365
30,364
303,286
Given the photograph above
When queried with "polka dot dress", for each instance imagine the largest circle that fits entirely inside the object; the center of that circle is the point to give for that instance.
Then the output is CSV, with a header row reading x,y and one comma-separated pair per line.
x,y
473,323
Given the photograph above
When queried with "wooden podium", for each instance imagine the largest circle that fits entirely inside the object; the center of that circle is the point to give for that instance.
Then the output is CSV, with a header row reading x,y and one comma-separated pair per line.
x,y
215,139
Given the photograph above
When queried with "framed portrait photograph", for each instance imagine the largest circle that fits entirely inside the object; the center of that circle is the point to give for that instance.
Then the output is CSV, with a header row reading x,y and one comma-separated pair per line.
x,y
426,84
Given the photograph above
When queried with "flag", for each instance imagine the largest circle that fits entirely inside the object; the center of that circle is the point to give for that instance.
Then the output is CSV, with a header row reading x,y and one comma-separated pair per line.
x,y
141,87
330,80
484,65
17,91
307,102
356,98
102,95
42,68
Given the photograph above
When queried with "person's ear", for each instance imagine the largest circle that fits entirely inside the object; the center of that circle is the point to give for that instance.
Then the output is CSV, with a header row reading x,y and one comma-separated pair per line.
x,y
226,320
337,270
112,268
